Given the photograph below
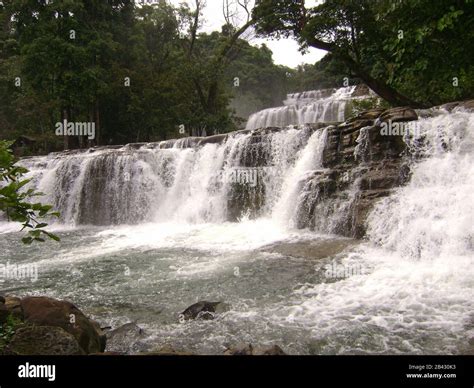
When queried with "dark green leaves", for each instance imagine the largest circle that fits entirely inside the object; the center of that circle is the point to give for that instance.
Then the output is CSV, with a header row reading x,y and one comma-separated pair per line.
x,y
14,199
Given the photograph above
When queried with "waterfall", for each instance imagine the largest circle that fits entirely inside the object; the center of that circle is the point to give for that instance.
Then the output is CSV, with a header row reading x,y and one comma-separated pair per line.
x,y
432,216
281,175
269,204
328,105
184,183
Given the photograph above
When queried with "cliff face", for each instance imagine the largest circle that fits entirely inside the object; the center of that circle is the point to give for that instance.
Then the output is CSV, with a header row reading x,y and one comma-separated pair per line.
x,y
362,166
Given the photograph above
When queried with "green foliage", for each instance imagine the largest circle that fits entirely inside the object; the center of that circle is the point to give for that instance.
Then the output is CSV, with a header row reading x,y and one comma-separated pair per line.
x,y
329,72
8,329
421,49
359,106
15,199
175,79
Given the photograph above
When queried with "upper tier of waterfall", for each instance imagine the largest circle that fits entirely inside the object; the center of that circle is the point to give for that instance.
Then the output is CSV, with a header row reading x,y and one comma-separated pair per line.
x,y
326,105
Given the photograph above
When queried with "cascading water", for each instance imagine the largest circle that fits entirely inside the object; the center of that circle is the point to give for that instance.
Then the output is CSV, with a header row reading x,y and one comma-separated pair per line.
x,y
418,263
162,239
305,108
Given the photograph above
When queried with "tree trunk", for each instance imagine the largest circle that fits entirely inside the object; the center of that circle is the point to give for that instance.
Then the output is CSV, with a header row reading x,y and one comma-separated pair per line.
x,y
380,87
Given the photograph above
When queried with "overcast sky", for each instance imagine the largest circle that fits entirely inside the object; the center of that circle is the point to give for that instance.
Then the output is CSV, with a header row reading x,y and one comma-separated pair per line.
x,y
285,51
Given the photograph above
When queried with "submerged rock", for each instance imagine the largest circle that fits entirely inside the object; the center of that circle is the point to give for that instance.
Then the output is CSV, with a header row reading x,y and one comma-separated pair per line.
x,y
165,351
249,350
124,338
311,250
204,310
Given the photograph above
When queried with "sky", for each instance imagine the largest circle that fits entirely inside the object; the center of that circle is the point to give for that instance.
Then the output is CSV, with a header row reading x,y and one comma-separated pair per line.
x,y
285,51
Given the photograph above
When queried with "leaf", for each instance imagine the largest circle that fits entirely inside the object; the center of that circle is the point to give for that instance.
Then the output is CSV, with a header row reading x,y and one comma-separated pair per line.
x,y
27,240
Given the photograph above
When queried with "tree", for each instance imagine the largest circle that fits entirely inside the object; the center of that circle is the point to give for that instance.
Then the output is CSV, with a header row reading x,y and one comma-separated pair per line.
x,y
361,34
209,75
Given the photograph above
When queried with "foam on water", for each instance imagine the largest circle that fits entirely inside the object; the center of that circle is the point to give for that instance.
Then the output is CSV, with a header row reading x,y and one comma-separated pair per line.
x,y
414,295
419,265
304,108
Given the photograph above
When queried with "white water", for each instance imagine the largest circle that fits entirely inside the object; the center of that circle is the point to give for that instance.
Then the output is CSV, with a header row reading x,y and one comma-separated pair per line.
x,y
416,292
420,262
305,108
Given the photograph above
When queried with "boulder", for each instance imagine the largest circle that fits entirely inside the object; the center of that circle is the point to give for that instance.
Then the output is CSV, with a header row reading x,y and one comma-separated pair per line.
x,y
204,310
4,313
123,338
249,350
43,311
43,340
13,305
239,350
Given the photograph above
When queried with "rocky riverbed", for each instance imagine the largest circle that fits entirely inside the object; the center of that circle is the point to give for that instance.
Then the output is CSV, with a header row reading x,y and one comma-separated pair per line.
x,y
47,326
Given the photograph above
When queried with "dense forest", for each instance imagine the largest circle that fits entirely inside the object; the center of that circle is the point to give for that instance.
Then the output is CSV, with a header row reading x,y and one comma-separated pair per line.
x,y
147,72
140,72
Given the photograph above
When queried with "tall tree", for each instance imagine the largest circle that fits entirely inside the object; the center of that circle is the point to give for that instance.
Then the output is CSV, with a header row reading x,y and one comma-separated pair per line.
x,y
363,34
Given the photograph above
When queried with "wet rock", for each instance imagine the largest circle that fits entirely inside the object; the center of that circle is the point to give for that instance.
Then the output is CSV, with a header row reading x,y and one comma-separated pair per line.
x,y
361,90
370,114
274,350
43,311
43,340
239,350
2,300
467,105
165,351
204,310
124,338
215,139
249,350
13,305
399,114
4,313
311,250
